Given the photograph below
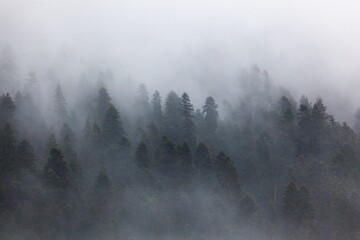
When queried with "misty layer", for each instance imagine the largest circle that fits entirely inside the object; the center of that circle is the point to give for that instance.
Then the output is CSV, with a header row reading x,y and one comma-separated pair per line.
x,y
106,159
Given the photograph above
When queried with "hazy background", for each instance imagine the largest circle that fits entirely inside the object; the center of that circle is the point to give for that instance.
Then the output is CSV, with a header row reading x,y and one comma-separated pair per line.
x,y
308,46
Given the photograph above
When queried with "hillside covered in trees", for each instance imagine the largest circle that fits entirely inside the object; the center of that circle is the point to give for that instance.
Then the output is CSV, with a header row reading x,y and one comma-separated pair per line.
x,y
114,161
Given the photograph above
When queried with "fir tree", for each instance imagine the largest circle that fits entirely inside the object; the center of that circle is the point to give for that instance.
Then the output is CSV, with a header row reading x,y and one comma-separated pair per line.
x,y
172,116
210,115
188,132
112,126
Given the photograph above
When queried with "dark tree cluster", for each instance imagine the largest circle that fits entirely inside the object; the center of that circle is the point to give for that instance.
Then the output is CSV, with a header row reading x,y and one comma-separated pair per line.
x,y
99,168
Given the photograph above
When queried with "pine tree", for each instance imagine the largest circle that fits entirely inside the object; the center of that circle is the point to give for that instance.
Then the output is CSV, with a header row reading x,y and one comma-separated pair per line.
x,y
68,150
141,156
210,115
112,126
103,104
189,133
167,157
172,115
56,174
227,177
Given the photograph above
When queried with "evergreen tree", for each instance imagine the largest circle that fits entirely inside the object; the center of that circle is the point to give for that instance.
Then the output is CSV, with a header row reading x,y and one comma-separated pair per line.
x,y
298,211
202,159
157,113
210,115
172,116
25,156
103,104
227,176
188,132
112,126
56,174
141,156
186,163
7,110
68,150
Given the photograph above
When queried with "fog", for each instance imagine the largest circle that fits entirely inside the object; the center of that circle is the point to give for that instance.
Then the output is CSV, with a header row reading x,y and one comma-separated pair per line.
x,y
309,47
263,144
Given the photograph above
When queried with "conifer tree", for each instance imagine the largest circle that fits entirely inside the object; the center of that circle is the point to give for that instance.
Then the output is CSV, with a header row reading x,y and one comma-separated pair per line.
x,y
185,163
210,115
56,174
202,160
142,156
172,115
7,110
25,155
157,113
112,126
103,104
188,132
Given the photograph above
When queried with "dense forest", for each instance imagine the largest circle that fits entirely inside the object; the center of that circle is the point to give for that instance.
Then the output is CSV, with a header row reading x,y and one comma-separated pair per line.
x,y
117,162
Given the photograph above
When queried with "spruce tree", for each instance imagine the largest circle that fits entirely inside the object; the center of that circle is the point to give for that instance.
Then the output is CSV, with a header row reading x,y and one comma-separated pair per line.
x,y
103,104
172,115
56,174
188,133
210,115
112,126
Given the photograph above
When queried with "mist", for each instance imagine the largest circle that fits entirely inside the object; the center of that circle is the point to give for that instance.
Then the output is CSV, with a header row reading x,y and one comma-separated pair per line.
x,y
271,92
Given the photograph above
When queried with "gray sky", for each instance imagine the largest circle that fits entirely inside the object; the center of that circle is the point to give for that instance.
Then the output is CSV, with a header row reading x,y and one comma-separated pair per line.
x,y
309,46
